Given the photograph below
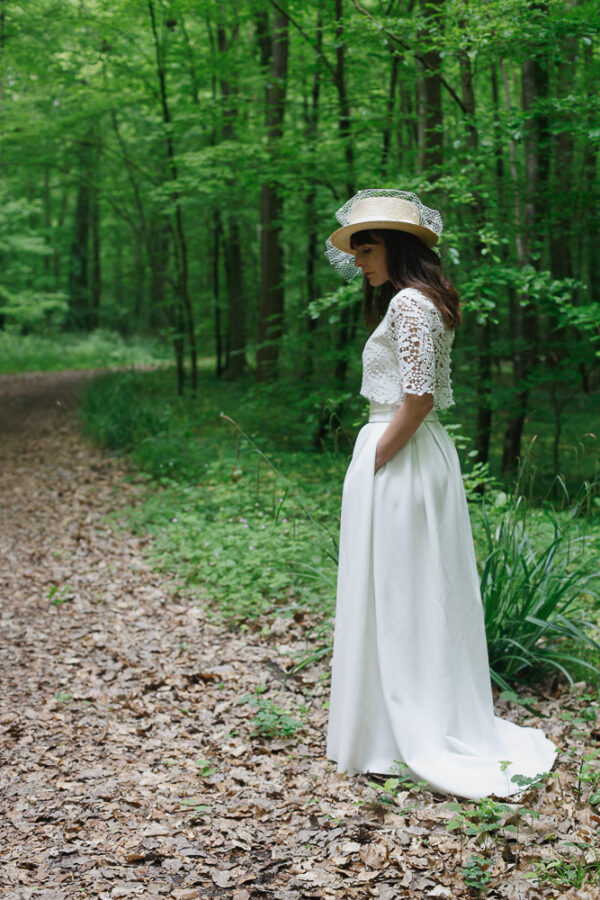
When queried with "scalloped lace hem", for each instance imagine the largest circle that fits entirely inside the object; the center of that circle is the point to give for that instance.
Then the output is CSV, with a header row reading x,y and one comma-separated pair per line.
x,y
398,399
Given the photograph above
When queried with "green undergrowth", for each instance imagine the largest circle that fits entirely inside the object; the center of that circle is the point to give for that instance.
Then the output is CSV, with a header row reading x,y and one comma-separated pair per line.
x,y
245,512
86,350
256,532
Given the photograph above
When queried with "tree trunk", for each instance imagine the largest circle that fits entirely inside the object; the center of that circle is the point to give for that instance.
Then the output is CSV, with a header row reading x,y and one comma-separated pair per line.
x,y
590,181
348,316
429,93
2,42
185,317
483,426
47,226
270,323
159,239
79,269
216,292
534,88
2,45
563,201
95,267
236,301
389,113
236,305
311,117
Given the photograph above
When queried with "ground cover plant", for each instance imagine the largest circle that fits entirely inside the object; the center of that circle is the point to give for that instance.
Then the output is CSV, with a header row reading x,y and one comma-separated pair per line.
x,y
47,351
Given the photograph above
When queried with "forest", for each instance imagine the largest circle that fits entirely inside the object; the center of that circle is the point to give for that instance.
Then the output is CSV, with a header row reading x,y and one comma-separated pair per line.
x,y
173,169
179,398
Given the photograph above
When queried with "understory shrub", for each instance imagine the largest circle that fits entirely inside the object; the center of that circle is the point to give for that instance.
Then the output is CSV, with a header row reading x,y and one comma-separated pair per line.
x,y
536,593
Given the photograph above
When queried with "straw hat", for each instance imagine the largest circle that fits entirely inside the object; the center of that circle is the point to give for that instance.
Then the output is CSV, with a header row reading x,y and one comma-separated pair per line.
x,y
383,212
380,208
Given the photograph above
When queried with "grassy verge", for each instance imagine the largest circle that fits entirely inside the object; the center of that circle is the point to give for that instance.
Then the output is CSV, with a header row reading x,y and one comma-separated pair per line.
x,y
250,519
93,350
258,532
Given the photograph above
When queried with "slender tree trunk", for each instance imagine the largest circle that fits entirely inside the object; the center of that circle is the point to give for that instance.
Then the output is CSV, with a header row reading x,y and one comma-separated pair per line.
x,y
389,113
158,242
2,43
3,4
185,318
137,291
95,262
344,118
348,316
429,92
408,127
79,268
311,117
498,150
236,301
514,428
534,88
117,275
563,203
57,257
155,236
236,305
591,238
47,225
483,427
216,292
270,324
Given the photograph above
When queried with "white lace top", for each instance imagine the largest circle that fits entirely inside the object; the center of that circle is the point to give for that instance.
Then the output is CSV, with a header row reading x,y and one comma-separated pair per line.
x,y
409,353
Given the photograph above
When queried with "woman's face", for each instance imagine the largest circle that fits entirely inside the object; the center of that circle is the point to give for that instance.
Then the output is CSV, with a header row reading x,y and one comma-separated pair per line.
x,y
371,258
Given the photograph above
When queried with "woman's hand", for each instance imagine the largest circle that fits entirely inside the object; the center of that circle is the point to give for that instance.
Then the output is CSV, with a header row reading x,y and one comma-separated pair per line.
x,y
402,427
379,461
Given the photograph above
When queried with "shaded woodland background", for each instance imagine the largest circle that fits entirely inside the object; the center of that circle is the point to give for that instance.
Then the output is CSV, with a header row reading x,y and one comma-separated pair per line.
x,y
172,167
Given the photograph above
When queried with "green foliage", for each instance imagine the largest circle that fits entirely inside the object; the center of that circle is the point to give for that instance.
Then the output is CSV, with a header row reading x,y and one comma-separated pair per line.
x,y
477,873
476,475
205,768
97,349
199,809
582,871
272,721
226,517
25,295
488,817
535,594
588,778
59,595
402,783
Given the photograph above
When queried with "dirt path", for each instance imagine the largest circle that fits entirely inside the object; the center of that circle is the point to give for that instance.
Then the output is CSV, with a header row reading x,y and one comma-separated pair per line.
x,y
125,772
129,766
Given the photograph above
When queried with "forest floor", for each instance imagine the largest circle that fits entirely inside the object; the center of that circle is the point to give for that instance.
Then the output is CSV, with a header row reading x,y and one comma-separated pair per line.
x,y
145,748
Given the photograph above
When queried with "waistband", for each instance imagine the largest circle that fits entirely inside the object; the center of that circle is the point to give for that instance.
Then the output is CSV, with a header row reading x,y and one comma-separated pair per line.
x,y
385,412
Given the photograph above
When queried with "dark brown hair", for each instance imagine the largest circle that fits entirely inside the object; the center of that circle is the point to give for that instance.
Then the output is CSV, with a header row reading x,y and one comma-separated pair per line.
x,y
412,264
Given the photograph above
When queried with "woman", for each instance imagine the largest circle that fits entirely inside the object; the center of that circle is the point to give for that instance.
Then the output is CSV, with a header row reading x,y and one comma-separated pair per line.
x,y
410,680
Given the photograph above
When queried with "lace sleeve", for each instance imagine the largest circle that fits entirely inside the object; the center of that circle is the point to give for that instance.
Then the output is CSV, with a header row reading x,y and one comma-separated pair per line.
x,y
410,331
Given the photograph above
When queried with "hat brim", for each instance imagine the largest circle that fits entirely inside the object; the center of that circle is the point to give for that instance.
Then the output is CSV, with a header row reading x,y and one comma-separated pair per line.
x,y
341,237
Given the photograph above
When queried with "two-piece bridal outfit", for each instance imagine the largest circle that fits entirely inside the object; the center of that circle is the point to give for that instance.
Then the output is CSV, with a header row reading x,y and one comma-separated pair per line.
x,y
410,677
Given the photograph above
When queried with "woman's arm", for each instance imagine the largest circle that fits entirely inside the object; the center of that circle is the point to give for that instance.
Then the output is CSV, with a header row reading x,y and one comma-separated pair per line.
x,y
402,427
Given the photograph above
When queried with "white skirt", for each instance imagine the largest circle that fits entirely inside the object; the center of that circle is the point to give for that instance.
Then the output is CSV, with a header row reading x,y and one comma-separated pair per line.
x,y
410,680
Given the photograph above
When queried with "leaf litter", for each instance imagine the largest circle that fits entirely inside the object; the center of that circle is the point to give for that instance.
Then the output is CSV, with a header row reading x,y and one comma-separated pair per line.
x,y
132,764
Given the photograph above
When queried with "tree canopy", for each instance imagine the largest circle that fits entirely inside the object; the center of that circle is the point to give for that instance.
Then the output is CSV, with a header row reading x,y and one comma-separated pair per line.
x,y
174,166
